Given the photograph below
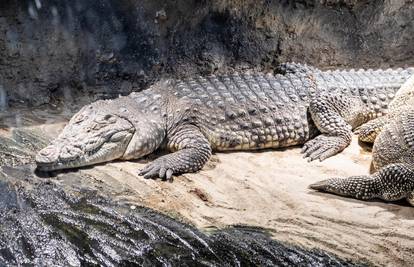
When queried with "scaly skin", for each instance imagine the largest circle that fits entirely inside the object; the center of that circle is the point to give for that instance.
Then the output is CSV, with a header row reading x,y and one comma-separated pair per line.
x,y
246,111
393,155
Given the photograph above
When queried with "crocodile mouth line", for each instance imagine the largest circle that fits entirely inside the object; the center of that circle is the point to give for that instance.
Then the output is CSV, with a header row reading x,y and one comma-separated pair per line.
x,y
57,165
89,157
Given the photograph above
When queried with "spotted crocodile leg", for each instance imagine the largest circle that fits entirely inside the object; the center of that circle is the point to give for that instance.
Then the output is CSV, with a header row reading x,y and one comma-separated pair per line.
x,y
192,151
393,182
328,112
367,132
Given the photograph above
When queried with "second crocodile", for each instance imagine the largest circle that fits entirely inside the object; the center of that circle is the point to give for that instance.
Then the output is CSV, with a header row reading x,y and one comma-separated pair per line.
x,y
393,155
240,111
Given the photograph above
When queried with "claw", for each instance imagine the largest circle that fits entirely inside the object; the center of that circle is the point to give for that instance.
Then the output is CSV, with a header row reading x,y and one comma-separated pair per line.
x,y
145,169
304,148
315,152
162,173
169,174
311,152
158,168
148,171
324,153
323,147
151,174
328,153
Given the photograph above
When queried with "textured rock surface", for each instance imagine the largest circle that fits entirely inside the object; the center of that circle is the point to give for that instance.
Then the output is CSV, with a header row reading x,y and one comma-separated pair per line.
x,y
51,48
267,189
48,222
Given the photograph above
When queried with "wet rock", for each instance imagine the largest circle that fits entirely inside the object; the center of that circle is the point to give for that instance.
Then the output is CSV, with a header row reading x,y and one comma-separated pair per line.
x,y
20,146
44,222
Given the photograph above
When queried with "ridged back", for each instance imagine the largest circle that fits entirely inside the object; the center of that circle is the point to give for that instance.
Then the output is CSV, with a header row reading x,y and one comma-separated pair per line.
x,y
246,88
363,82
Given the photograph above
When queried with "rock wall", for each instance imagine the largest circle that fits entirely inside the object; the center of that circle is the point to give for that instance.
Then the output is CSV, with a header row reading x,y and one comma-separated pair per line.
x,y
52,50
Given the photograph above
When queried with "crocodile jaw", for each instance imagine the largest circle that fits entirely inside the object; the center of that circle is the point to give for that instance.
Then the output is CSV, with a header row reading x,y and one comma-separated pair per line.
x,y
67,156
96,134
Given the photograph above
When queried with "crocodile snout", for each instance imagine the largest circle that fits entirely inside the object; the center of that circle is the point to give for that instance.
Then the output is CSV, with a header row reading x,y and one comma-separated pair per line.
x,y
47,155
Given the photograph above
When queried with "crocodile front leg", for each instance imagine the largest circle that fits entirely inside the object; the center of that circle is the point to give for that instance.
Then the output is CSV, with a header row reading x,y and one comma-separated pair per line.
x,y
331,114
393,182
192,151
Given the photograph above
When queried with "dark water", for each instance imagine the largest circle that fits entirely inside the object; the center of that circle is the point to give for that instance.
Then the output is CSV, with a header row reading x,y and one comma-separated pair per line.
x,y
44,223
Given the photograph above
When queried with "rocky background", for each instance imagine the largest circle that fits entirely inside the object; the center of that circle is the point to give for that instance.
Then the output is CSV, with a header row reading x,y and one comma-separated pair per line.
x,y
53,49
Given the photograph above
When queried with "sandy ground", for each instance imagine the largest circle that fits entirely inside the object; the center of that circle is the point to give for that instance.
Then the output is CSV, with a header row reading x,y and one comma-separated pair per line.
x,y
269,189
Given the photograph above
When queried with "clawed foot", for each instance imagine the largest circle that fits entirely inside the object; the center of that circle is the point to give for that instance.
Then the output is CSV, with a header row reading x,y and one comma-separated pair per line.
x,y
323,147
159,168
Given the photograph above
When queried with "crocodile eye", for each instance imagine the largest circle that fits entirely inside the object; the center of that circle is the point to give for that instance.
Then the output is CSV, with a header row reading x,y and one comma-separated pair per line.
x,y
108,118
117,137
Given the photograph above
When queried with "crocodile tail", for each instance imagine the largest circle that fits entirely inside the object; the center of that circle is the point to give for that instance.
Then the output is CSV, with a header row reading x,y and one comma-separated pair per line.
x,y
368,81
393,182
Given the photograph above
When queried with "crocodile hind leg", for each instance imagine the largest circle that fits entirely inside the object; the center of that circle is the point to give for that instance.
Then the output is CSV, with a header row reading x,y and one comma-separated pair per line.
x,y
330,113
192,151
393,182
367,132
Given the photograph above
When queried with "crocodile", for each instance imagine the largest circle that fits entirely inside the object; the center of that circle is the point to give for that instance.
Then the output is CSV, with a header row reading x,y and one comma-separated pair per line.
x,y
192,117
393,155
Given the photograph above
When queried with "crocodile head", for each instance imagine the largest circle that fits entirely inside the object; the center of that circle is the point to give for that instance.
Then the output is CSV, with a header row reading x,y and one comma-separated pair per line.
x,y
95,134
